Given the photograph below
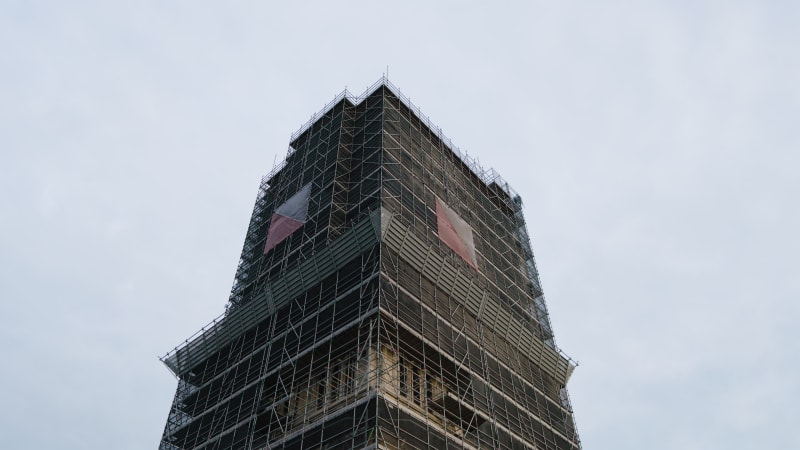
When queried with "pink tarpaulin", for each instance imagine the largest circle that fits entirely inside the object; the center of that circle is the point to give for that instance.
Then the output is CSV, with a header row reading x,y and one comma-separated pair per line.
x,y
455,232
288,218
279,229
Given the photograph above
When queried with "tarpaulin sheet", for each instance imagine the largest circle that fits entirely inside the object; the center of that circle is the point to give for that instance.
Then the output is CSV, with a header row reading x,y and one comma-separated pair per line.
x,y
288,218
455,232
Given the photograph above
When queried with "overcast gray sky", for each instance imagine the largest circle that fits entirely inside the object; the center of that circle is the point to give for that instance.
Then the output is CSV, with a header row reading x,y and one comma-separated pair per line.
x,y
655,145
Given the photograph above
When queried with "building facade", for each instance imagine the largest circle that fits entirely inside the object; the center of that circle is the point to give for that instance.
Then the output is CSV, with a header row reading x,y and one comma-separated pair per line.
x,y
386,297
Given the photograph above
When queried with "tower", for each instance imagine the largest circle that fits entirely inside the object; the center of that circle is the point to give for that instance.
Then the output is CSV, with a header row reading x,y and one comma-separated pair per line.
x,y
386,297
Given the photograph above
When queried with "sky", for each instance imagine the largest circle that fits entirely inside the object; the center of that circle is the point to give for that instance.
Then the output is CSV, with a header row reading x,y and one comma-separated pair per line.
x,y
655,145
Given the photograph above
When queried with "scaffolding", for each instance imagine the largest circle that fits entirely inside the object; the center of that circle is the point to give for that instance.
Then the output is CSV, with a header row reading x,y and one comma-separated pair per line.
x,y
366,328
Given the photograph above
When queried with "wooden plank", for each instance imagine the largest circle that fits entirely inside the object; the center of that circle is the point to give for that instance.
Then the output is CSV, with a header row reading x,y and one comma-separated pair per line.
x,y
403,241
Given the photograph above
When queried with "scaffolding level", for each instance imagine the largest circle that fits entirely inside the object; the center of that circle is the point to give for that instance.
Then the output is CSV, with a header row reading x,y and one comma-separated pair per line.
x,y
386,297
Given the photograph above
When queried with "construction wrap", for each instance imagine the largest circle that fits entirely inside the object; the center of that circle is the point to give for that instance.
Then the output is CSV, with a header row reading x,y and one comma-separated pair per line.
x,y
288,218
455,232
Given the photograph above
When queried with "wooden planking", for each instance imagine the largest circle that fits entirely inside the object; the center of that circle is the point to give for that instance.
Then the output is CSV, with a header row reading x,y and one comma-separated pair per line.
x,y
462,286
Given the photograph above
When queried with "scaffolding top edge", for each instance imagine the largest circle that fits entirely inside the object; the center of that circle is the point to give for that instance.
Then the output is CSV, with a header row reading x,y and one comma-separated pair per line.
x,y
169,358
488,176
